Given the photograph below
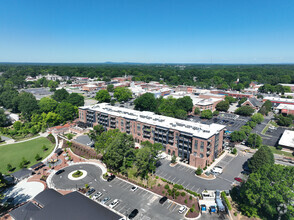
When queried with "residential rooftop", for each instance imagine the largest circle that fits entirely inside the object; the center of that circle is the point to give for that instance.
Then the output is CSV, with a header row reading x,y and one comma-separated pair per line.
x,y
192,128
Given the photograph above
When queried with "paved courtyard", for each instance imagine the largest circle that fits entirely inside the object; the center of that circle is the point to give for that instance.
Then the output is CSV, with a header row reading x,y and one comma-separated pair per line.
x,y
145,201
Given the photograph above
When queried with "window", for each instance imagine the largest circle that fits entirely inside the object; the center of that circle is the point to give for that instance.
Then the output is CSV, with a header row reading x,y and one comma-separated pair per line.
x,y
202,146
195,154
196,144
168,152
201,156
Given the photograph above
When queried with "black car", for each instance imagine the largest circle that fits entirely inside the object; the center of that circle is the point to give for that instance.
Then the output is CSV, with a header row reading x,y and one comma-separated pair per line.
x,y
90,191
133,214
59,172
110,178
162,200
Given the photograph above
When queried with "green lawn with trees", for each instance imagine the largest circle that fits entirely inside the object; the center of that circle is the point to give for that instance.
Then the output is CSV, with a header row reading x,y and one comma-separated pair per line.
x,y
14,154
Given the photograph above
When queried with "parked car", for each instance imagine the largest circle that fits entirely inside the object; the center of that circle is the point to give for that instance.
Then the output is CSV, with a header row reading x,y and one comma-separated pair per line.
x,y
134,188
162,200
110,178
217,169
114,203
97,195
90,191
105,200
59,172
238,179
182,209
133,214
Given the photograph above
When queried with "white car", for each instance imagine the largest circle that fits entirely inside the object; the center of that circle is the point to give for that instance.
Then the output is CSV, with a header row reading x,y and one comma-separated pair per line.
x,y
134,188
217,169
114,203
182,209
97,195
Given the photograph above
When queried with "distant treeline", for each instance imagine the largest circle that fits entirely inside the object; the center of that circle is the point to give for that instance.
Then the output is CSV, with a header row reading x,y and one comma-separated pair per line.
x,y
220,76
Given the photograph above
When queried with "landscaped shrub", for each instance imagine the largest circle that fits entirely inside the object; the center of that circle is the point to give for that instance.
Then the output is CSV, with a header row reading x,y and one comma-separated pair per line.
x,y
166,186
223,194
164,180
163,192
51,138
177,186
37,157
158,184
186,201
198,171
234,151
279,147
190,197
156,177
177,193
44,147
183,194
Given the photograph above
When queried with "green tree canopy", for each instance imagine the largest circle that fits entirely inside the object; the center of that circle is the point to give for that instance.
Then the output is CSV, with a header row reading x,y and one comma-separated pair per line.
x,y
262,157
222,106
197,111
230,99
146,102
60,95
246,128
238,136
257,118
185,103
122,94
103,96
76,99
206,114
254,141
26,103
47,104
244,110
67,111
3,118
110,88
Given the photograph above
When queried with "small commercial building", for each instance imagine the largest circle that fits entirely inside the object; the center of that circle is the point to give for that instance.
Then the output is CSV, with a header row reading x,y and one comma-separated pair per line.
x,y
285,109
22,174
287,140
253,103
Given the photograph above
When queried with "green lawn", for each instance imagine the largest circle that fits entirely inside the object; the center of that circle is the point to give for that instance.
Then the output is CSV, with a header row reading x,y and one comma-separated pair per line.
x,y
276,151
13,153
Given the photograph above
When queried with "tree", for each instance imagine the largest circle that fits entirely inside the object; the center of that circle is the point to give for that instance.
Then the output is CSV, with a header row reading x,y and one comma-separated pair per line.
x,y
257,118
47,104
76,99
222,106
67,111
244,110
246,128
185,103
60,95
266,190
38,157
251,124
7,97
17,125
283,120
241,101
215,113
196,111
206,114
145,102
9,167
238,136
174,159
198,171
181,114
110,88
230,99
52,84
262,157
26,104
254,141
52,119
103,96
3,118
122,94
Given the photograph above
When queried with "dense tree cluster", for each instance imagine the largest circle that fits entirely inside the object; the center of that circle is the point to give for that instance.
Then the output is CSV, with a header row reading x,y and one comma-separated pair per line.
x,y
269,191
244,110
284,120
205,76
172,107
119,152
279,89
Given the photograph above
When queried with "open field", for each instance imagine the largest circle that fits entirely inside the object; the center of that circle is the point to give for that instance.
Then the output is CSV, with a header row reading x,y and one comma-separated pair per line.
x,y
13,153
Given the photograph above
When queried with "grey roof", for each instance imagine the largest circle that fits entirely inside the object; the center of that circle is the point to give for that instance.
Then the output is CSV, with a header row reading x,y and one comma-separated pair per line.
x,y
75,206
24,212
47,196
21,174
255,102
84,140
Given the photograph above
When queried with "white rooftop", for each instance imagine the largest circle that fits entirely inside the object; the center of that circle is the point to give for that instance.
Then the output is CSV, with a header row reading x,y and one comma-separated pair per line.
x,y
287,139
286,106
193,128
278,99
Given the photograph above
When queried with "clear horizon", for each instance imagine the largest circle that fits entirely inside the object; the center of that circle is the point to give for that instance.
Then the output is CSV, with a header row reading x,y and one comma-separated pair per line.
x,y
147,31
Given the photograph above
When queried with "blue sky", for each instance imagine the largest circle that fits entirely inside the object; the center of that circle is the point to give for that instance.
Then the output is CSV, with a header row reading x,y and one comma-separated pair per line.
x,y
149,31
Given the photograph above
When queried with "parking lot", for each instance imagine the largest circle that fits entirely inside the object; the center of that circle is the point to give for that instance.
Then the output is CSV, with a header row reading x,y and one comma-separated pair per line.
x,y
145,201
183,175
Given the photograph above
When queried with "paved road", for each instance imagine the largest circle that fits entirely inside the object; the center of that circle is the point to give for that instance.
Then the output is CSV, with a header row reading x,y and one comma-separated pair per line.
x,y
180,174
145,201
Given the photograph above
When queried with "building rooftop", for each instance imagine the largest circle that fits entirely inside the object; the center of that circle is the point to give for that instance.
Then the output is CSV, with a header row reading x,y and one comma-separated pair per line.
x,y
285,106
192,128
278,99
287,139
25,211
47,196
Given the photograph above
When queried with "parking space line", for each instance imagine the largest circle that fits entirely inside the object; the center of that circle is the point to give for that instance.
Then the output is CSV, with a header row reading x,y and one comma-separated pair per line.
x,y
178,181
149,196
173,179
187,185
174,208
169,205
192,187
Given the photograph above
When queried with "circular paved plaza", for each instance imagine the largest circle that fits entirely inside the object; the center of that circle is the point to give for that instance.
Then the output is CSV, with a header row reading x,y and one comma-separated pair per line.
x,y
62,181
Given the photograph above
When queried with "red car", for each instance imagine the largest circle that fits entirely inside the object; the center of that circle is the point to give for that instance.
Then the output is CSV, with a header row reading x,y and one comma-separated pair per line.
x,y
238,179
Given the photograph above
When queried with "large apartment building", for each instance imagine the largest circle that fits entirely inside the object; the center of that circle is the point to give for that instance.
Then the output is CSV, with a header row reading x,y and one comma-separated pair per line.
x,y
198,144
